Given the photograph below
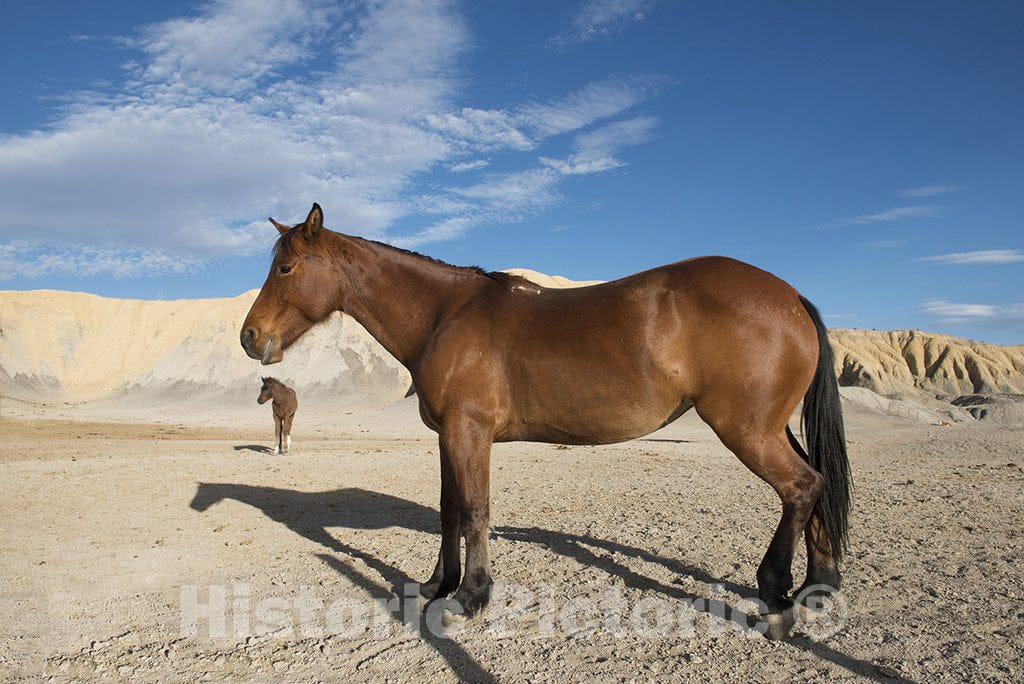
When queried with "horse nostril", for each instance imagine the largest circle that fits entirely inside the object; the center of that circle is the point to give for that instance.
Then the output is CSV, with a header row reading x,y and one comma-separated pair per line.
x,y
248,336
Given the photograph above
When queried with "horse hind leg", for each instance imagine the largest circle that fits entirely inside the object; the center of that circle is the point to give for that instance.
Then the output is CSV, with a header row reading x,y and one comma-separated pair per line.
x,y
822,572
770,456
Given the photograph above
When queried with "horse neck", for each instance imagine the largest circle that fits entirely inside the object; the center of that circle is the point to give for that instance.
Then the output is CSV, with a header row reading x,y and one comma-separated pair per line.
x,y
400,297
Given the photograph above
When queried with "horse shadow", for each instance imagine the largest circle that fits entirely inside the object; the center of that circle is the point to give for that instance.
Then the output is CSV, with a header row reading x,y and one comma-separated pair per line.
x,y
579,548
310,514
258,448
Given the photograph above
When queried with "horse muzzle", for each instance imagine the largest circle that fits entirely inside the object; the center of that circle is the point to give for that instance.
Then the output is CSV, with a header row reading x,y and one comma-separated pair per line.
x,y
270,353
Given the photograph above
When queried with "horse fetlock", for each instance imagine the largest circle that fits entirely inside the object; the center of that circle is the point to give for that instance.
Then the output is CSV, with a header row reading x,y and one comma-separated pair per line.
x,y
817,586
773,588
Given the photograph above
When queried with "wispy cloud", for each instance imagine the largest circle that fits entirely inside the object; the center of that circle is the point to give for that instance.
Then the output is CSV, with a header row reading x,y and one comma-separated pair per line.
x,y
882,244
596,150
482,130
250,107
587,105
20,259
1010,316
448,229
594,19
928,190
989,256
462,167
233,44
904,213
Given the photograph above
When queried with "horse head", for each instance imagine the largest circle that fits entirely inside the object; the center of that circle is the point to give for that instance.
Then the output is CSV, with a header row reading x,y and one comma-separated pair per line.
x,y
301,289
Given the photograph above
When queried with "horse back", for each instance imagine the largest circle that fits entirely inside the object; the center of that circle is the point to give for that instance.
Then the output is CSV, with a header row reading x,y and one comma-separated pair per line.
x,y
617,360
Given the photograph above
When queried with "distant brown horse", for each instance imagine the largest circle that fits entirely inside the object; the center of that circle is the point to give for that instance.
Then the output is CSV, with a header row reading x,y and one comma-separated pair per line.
x,y
495,357
284,405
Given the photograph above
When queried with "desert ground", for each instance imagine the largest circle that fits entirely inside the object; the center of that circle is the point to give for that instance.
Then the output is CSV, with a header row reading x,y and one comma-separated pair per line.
x,y
111,531
149,532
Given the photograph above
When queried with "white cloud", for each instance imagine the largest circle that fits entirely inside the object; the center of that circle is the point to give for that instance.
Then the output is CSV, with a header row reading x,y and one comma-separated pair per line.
x,y
485,130
588,105
254,107
989,256
448,229
1009,317
510,196
462,167
928,190
889,215
596,150
19,259
599,18
232,44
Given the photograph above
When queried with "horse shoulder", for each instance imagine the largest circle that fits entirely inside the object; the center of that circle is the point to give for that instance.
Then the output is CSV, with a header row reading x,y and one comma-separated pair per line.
x,y
458,370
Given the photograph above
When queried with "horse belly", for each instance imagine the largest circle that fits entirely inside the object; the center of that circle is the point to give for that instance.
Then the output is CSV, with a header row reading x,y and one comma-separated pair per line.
x,y
594,413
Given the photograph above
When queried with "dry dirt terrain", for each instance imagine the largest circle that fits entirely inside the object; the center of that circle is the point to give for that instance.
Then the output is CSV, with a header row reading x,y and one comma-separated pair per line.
x,y
169,552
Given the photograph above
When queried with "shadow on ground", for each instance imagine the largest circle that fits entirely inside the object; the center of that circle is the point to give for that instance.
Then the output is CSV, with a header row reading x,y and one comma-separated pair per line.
x,y
258,448
309,514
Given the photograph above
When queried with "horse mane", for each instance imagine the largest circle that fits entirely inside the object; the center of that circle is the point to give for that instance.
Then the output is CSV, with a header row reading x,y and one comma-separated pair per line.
x,y
507,280
274,382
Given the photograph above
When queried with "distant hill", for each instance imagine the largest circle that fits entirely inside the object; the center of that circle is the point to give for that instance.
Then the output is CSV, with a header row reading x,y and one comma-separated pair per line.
x,y
74,347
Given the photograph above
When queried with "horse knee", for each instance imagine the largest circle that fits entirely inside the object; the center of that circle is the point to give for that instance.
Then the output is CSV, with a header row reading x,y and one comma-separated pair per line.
x,y
474,519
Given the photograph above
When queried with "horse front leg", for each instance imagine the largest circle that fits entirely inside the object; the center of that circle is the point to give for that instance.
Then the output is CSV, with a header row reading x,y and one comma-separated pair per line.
x,y
278,432
448,571
466,445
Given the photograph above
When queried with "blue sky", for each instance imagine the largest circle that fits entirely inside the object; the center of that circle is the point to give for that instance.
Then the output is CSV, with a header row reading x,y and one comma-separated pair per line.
x,y
871,153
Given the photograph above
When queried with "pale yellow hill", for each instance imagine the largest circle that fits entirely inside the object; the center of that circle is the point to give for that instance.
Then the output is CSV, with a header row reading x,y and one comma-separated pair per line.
x,y
908,361
74,346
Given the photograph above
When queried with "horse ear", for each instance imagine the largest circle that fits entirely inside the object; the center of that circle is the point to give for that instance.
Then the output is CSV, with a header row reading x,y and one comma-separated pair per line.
x,y
281,228
314,222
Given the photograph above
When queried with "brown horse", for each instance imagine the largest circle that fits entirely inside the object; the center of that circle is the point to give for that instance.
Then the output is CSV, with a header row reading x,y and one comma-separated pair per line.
x,y
284,405
495,357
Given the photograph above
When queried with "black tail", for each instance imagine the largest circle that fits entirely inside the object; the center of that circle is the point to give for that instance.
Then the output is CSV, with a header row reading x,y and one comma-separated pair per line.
x,y
822,425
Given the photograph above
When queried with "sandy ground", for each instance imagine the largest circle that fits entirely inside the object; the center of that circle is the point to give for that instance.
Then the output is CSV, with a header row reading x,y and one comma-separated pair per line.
x,y
157,552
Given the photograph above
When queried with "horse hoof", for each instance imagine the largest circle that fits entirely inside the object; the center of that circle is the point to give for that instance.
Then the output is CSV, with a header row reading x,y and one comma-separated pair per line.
x,y
453,617
778,625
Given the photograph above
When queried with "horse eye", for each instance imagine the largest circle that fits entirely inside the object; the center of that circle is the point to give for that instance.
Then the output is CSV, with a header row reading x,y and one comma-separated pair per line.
x,y
284,269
